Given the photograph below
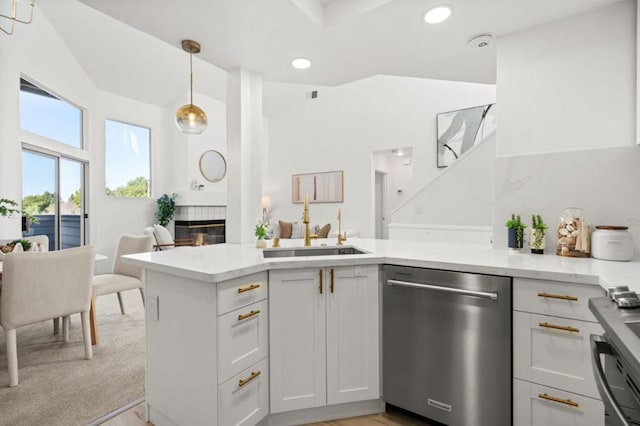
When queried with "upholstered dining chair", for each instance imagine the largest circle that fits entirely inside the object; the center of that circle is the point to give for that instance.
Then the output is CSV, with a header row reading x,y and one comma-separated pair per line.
x,y
124,277
163,239
41,286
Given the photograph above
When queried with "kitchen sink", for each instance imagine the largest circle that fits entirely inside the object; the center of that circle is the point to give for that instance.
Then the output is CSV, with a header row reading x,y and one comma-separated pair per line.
x,y
311,251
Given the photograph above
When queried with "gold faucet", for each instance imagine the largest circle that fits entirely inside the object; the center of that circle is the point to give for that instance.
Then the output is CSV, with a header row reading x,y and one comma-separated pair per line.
x,y
340,240
306,220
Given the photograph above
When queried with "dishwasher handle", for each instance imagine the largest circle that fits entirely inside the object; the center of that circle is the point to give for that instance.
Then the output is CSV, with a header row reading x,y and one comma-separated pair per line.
x,y
599,345
433,287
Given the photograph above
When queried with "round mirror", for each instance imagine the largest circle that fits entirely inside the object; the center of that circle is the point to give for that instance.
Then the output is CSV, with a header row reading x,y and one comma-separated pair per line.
x,y
213,166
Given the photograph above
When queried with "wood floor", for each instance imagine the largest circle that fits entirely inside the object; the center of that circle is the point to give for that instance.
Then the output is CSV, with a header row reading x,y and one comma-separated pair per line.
x,y
135,417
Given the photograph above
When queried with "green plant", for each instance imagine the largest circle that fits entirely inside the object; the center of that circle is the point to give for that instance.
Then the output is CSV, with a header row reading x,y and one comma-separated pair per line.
x,y
165,208
261,230
26,244
7,207
515,222
537,223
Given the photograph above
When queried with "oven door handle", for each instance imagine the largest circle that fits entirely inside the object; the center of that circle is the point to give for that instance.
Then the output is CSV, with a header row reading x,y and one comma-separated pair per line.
x,y
599,345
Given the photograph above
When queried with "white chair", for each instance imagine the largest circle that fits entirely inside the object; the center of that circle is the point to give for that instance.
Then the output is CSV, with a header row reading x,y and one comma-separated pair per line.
x,y
43,240
163,239
124,277
41,286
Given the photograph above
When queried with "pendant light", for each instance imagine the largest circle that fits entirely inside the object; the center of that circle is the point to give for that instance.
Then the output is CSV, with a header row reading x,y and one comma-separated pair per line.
x,y
190,118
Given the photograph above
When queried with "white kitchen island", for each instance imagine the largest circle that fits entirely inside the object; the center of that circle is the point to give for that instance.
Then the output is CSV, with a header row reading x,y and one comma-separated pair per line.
x,y
208,352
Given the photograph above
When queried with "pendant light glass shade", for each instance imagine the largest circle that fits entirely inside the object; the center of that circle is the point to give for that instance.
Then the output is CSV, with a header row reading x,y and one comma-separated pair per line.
x,y
190,118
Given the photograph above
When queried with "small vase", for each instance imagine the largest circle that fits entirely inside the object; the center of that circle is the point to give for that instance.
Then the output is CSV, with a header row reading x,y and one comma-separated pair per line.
x,y
536,241
515,238
261,243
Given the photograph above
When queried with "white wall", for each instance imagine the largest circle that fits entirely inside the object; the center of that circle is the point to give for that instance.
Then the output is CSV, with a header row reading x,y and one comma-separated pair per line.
x,y
37,51
340,129
569,86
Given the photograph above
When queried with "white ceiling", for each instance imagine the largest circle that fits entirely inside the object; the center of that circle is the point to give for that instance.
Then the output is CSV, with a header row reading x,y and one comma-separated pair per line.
x,y
356,39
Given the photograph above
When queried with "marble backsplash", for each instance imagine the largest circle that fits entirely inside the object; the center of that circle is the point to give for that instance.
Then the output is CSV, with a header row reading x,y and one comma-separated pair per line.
x,y
605,183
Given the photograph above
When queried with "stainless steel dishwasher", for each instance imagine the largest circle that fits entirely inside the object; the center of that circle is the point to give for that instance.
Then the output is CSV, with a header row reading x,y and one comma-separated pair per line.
x,y
447,345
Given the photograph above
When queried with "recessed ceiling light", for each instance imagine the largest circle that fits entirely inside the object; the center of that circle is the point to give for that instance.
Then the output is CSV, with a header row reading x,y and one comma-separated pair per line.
x,y
437,14
301,63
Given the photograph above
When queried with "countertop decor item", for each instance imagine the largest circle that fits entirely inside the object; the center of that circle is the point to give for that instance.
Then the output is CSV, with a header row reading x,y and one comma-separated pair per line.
x,y
190,118
574,234
536,237
612,243
260,233
515,232
165,208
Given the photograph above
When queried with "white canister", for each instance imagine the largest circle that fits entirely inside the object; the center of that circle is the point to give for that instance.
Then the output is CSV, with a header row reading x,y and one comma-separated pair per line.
x,y
612,243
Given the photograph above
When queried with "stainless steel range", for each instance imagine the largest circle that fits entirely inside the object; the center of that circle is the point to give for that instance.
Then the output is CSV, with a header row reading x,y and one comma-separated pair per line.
x,y
616,355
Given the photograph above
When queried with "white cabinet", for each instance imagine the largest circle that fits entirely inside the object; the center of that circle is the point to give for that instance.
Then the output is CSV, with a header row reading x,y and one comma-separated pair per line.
x,y
553,378
324,336
538,405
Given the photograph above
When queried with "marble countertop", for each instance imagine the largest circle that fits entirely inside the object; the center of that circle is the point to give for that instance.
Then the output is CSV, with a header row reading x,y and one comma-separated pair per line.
x,y
221,262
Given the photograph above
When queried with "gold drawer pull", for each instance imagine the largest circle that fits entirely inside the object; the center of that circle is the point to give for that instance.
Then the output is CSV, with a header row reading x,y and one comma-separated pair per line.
x,y
558,296
249,315
331,280
561,401
253,375
248,288
320,281
559,327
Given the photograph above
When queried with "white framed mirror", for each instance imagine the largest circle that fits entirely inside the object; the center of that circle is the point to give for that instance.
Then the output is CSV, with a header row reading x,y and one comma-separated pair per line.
x,y
213,166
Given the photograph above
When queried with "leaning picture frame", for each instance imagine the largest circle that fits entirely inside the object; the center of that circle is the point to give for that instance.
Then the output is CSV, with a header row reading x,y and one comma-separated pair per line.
x,y
322,187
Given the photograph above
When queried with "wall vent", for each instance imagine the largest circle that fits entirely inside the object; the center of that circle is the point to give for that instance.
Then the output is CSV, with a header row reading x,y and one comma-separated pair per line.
x,y
312,95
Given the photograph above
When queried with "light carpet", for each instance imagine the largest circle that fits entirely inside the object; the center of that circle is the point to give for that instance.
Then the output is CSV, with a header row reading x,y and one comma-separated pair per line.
x,y
58,386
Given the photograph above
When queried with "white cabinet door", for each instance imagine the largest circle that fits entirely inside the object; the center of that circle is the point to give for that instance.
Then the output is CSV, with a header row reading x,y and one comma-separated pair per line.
x,y
244,399
353,367
554,351
535,405
297,339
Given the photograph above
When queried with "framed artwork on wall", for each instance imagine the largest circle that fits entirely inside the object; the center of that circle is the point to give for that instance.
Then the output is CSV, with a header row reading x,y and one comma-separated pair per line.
x,y
459,131
323,187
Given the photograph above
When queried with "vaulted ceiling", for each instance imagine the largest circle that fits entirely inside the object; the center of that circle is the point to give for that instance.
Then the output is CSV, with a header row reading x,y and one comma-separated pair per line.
x,y
346,40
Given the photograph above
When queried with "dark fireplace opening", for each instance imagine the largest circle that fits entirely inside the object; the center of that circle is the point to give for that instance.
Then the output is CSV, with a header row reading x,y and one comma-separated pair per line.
x,y
201,232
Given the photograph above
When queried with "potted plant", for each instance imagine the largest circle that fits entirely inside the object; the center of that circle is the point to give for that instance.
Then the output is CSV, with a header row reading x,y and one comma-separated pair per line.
x,y
515,232
536,238
165,208
260,233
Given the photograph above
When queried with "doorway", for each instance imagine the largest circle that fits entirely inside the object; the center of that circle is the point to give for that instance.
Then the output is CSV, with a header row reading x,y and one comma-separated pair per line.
x,y
381,205
53,192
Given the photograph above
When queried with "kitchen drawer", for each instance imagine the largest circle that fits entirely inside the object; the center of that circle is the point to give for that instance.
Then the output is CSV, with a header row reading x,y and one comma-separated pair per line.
x,y
244,399
555,298
552,356
530,408
239,292
242,339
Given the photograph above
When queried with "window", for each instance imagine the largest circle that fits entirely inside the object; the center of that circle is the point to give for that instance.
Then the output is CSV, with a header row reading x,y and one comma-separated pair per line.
x,y
127,159
47,115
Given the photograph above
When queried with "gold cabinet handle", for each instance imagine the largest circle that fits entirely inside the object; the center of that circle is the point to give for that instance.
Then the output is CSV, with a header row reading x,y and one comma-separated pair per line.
x,y
331,285
561,401
248,288
558,296
249,315
320,281
253,375
559,327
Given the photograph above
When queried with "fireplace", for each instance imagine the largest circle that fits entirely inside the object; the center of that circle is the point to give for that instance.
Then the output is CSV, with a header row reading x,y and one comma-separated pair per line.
x,y
201,232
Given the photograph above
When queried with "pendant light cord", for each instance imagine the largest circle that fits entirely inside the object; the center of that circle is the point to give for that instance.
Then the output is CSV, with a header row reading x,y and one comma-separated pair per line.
x,y
191,78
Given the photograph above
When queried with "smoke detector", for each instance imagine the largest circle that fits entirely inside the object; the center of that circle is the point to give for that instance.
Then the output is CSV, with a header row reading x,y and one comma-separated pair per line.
x,y
480,41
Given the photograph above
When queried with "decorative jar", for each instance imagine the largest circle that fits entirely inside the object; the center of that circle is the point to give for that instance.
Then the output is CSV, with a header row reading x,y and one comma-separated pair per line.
x,y
612,243
574,234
